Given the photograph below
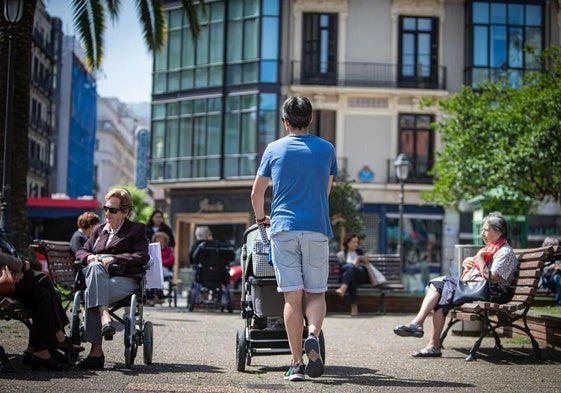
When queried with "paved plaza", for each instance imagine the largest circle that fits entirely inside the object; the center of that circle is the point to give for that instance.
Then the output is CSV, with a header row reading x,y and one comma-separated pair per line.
x,y
195,352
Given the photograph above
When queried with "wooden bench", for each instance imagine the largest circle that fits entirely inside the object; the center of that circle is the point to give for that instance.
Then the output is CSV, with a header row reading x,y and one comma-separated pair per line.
x,y
388,264
513,314
60,263
11,309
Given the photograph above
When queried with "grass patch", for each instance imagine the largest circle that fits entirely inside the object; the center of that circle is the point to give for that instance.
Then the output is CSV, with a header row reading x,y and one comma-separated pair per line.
x,y
552,310
518,340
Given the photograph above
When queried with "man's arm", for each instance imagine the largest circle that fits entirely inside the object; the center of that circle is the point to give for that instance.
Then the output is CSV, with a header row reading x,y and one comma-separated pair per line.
x,y
258,196
330,184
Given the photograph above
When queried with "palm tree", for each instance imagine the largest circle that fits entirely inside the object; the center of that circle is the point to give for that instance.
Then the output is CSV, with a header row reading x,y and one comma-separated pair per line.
x,y
89,18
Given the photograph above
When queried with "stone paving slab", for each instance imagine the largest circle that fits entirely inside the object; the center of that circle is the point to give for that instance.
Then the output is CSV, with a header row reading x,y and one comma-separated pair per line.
x,y
195,352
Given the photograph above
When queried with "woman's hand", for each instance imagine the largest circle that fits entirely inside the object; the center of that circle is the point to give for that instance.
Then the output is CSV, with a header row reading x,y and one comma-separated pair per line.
x,y
107,261
468,263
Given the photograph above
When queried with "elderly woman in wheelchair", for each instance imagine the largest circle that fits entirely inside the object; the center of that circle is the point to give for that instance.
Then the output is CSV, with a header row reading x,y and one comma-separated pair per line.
x,y
113,258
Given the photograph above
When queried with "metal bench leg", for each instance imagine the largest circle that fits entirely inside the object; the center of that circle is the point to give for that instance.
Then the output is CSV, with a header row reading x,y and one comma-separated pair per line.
x,y
537,350
475,348
383,303
445,332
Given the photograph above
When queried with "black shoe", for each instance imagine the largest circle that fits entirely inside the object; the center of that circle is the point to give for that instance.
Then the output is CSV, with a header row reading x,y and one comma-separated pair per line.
x,y
64,358
26,358
48,364
68,347
108,331
91,363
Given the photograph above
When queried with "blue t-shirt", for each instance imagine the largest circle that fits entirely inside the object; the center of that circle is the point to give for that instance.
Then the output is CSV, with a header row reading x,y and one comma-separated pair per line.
x,y
299,166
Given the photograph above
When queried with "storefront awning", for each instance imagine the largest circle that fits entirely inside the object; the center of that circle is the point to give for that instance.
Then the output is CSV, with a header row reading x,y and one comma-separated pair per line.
x,y
60,207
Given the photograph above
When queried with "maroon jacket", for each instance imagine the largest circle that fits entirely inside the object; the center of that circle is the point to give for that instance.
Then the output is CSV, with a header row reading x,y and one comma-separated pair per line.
x,y
129,246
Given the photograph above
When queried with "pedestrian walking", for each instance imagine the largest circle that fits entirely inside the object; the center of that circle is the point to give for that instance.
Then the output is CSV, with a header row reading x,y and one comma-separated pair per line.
x,y
302,167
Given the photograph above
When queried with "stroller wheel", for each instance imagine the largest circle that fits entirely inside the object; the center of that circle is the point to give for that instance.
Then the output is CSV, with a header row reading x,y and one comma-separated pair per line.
x,y
241,350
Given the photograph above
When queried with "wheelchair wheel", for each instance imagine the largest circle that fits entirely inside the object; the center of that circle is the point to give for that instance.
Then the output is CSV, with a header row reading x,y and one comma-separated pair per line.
x,y
147,342
126,337
173,296
191,299
130,342
241,350
75,324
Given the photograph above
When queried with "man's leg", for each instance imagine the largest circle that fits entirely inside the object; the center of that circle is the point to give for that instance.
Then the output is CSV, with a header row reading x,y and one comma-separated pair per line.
x,y
315,311
294,323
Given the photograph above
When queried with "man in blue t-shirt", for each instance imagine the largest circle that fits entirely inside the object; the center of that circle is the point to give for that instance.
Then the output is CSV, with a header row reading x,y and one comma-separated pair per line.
x,y
301,167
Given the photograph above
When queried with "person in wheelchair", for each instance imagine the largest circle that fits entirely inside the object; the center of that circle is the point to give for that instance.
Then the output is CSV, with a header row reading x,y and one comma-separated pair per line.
x,y
210,258
113,257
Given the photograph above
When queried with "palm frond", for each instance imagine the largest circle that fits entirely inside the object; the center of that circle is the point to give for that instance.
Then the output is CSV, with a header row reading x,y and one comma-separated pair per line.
x,y
144,9
114,9
191,13
89,20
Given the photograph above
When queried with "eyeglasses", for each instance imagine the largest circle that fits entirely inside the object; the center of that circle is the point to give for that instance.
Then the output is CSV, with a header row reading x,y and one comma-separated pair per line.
x,y
112,210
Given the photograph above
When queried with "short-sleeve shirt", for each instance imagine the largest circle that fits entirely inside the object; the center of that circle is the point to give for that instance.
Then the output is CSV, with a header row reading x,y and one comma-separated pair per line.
x,y
300,167
504,264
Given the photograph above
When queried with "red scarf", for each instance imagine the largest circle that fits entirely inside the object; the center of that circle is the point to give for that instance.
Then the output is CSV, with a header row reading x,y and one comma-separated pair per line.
x,y
487,253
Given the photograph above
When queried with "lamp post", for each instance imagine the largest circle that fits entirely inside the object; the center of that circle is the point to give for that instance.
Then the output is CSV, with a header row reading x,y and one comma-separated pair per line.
x,y
401,165
13,11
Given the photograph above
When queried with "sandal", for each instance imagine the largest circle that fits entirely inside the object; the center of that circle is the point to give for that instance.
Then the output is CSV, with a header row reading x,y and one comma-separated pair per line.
x,y
411,330
428,352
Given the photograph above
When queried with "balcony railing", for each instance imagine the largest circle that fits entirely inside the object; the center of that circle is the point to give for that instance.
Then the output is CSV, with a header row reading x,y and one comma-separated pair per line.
x,y
361,74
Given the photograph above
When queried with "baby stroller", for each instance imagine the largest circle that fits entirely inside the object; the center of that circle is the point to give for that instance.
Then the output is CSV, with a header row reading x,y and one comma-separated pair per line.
x,y
210,287
262,309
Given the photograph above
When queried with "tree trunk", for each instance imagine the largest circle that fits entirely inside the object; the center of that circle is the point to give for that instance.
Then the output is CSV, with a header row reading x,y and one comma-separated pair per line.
x,y
21,45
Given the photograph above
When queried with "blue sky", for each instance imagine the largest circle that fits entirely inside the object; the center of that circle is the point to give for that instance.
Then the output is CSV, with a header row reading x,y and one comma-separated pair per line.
x,y
126,71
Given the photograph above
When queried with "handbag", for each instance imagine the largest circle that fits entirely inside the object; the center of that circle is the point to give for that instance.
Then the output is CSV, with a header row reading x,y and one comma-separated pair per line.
x,y
376,276
260,258
471,291
7,282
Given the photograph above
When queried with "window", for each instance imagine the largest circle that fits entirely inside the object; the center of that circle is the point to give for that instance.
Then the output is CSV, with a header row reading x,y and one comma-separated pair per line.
x,y
323,125
497,33
416,139
319,49
418,51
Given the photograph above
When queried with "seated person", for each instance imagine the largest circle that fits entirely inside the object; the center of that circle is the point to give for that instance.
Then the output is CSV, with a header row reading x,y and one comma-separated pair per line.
x,y
113,257
157,295
353,264
495,262
86,223
551,277
36,290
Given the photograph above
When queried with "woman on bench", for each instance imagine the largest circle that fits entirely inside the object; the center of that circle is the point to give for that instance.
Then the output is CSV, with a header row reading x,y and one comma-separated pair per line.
x,y
496,262
353,263
35,290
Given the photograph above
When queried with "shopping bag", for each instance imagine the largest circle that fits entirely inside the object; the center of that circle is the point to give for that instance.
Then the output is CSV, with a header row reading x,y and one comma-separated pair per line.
x,y
260,258
155,272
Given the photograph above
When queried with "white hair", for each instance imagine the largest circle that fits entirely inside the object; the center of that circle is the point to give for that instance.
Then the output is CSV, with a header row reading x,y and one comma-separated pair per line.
x,y
201,233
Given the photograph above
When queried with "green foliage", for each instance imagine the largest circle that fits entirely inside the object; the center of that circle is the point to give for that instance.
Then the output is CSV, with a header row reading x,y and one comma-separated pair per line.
x,y
141,210
503,141
345,205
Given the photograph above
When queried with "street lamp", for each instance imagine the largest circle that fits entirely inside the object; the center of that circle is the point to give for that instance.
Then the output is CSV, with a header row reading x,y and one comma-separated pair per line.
x,y
13,11
401,165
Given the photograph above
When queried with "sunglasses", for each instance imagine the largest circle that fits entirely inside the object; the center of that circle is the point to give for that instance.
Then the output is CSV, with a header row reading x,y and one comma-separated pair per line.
x,y
112,210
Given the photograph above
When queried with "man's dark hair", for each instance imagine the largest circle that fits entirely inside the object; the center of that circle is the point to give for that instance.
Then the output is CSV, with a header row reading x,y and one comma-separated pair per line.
x,y
297,111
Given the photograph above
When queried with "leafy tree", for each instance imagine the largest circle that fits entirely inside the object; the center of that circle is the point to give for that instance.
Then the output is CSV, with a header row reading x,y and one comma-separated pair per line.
x,y
89,21
502,142
141,210
345,206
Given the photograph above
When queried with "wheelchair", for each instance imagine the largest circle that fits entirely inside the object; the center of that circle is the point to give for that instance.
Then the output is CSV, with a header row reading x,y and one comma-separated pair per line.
x,y
137,331
212,277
